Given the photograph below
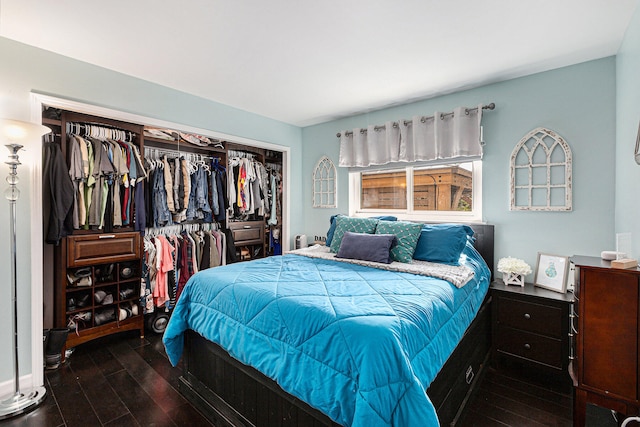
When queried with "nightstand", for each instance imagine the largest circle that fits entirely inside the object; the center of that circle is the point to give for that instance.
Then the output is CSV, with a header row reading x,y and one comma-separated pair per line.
x,y
530,332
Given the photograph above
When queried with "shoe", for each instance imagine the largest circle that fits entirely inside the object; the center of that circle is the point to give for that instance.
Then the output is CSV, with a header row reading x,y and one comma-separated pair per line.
x,y
71,304
105,273
126,293
107,300
80,277
82,300
79,320
105,316
99,296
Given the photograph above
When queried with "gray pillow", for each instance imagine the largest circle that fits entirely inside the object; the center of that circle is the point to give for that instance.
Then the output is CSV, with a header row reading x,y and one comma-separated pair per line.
x,y
367,247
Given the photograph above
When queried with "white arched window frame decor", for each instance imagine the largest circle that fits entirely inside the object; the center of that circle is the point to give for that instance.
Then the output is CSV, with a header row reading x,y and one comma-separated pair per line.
x,y
325,184
541,173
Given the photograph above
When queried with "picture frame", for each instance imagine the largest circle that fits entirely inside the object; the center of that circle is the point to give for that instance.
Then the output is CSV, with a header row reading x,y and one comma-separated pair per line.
x,y
552,272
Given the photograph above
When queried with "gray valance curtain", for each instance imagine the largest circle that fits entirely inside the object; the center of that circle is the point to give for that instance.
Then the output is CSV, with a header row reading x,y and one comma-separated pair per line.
x,y
443,136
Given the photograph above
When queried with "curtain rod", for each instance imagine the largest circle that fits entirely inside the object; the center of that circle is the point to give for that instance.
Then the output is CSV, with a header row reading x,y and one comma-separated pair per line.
x,y
422,119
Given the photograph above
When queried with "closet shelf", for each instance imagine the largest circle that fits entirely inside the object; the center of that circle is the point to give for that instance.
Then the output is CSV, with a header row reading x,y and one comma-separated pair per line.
x,y
181,146
54,122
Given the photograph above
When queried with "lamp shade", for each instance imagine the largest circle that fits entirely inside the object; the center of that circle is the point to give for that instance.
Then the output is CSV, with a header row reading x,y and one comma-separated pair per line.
x,y
19,132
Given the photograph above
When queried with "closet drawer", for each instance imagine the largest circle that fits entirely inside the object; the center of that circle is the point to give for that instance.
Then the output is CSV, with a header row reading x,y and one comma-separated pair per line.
x,y
247,232
102,248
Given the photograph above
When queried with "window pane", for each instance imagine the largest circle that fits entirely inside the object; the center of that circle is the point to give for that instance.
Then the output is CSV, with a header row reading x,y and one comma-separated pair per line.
x,y
443,188
386,190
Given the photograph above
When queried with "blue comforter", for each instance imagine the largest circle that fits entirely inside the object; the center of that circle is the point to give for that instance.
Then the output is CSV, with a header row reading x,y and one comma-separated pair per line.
x,y
358,343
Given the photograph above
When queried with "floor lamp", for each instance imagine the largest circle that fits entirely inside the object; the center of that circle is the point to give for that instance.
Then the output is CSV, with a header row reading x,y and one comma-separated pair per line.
x,y
16,132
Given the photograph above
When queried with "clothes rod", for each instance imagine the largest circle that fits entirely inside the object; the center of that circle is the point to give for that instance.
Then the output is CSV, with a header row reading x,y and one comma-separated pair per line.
x,y
422,119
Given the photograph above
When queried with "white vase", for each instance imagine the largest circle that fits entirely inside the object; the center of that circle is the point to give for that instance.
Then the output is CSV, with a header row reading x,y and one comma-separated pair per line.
x,y
513,279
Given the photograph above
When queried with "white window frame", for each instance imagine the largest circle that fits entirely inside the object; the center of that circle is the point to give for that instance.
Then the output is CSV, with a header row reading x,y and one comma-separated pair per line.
x,y
409,214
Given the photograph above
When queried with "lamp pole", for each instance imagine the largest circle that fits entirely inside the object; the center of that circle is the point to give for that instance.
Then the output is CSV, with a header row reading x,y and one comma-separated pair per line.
x,y
20,401
12,194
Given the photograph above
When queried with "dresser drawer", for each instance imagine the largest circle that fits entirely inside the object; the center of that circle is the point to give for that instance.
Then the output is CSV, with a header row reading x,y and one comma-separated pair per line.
x,y
248,232
529,316
530,346
102,248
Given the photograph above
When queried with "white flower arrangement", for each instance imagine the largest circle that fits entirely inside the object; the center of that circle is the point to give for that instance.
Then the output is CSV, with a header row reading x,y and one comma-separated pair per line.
x,y
513,266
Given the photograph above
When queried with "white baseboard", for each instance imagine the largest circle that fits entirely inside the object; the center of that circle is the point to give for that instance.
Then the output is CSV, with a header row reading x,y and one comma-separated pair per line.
x,y
7,388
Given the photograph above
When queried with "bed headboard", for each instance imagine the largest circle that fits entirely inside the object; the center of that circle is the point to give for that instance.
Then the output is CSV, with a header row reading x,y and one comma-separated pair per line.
x,y
484,242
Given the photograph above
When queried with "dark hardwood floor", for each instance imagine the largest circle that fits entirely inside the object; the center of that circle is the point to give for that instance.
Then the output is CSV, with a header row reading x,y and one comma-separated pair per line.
x,y
504,400
122,380
119,380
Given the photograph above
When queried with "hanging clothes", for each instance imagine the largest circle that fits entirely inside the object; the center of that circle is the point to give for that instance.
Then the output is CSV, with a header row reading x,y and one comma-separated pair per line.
x,y
61,193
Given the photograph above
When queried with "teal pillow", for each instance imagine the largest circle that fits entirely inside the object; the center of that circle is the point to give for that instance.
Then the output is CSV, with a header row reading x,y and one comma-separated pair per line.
x,y
332,225
355,225
407,234
442,243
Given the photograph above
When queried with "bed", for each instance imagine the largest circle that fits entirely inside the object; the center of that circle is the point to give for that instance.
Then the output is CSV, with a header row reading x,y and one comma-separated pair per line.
x,y
248,360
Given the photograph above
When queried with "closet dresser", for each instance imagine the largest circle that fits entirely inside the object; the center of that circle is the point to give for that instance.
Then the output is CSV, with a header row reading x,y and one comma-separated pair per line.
x,y
605,368
97,268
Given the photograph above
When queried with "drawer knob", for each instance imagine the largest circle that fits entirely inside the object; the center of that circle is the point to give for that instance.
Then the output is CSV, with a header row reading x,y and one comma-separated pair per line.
x,y
527,346
527,316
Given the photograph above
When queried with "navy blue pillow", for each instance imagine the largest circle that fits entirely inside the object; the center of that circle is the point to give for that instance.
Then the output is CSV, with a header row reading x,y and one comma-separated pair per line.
x,y
332,225
442,243
367,247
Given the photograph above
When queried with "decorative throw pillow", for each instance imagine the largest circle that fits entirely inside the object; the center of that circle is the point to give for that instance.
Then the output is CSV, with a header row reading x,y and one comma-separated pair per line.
x,y
442,243
332,229
407,234
356,225
367,247
332,225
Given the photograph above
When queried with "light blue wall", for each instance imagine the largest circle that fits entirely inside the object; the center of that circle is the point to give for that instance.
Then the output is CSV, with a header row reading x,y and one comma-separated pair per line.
x,y
578,102
24,69
627,206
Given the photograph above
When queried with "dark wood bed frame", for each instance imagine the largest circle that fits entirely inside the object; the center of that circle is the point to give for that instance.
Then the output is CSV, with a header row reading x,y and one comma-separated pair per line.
x,y
230,393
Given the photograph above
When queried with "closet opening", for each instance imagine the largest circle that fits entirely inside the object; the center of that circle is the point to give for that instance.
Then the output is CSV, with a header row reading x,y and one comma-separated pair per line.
x,y
110,246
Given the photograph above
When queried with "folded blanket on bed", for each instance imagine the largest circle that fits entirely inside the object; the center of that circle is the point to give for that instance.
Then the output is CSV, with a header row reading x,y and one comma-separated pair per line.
x,y
458,275
358,343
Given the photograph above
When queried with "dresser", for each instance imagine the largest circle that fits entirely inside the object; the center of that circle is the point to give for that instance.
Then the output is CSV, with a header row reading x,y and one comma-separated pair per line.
x,y
606,366
530,332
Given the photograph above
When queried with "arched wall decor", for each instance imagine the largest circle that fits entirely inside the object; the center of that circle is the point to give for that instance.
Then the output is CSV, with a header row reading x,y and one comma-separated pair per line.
x,y
325,181
541,173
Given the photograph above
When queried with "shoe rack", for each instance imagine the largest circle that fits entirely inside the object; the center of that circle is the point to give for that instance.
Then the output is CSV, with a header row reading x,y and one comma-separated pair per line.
x,y
98,285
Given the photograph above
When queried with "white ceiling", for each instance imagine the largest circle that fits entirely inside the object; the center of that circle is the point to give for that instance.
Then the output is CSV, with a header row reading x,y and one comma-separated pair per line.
x,y
308,61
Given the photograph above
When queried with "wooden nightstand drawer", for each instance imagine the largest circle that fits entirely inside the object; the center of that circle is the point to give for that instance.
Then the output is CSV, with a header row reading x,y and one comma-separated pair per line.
x,y
537,348
528,316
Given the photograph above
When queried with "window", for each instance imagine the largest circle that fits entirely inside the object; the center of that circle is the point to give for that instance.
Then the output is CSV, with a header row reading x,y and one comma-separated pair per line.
x,y
446,192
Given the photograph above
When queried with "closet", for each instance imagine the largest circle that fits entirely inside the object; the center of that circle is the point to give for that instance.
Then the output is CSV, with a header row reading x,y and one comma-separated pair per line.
x,y
116,193
92,176
255,201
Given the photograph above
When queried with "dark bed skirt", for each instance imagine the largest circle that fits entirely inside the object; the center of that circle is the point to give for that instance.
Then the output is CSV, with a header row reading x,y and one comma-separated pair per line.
x,y
230,393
